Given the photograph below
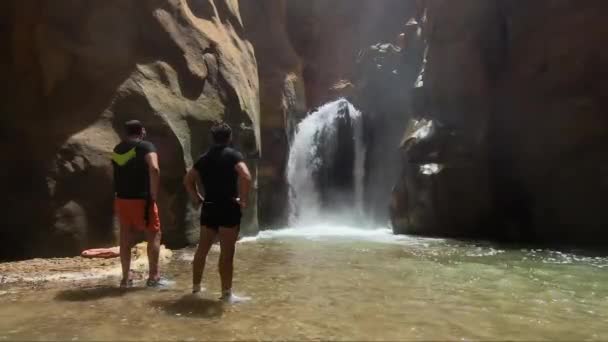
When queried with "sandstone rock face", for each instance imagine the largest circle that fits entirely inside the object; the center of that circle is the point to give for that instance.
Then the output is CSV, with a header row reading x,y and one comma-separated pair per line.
x,y
282,98
516,93
75,71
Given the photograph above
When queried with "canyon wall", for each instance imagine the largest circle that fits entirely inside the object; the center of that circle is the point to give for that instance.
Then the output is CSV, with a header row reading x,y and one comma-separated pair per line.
x,y
514,97
501,103
74,71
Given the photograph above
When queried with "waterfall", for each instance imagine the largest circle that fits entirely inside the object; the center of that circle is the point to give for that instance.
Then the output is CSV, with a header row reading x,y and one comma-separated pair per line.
x,y
326,166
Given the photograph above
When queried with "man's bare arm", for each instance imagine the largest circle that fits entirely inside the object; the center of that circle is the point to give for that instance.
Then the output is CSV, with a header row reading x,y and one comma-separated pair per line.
x,y
190,182
154,170
244,183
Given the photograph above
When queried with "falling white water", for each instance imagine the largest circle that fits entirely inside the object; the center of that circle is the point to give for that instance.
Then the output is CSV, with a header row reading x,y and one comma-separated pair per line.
x,y
306,157
360,152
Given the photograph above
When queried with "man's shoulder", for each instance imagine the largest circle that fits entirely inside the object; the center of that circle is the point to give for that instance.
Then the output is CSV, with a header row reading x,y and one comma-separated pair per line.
x,y
201,159
204,155
231,150
146,146
146,143
234,153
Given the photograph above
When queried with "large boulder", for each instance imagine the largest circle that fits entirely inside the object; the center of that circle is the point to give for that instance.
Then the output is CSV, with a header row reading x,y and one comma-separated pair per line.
x,y
74,72
434,190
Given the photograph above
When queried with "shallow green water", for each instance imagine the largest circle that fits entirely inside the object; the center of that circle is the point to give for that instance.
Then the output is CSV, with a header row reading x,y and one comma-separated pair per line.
x,y
343,285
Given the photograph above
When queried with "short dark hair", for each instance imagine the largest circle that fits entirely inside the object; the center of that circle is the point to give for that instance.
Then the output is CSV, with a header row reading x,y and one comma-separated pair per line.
x,y
134,127
221,133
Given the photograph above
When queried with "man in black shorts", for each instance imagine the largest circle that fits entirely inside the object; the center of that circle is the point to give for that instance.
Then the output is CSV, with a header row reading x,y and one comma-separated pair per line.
x,y
219,170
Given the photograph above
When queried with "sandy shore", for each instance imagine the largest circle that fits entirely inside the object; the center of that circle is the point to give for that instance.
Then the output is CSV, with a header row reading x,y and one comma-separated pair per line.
x,y
37,271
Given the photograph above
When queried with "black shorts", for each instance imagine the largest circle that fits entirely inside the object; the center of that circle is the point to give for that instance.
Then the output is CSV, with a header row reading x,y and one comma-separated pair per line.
x,y
226,214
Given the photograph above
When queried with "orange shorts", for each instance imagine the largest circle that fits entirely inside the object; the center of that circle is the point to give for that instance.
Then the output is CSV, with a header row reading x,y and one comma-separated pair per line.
x,y
130,213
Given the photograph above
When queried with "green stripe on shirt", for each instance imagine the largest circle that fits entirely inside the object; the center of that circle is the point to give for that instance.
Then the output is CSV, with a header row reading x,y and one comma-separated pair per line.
x,y
122,159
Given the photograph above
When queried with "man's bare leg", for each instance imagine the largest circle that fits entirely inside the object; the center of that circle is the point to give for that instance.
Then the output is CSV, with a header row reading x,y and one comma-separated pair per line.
x,y
228,237
153,239
125,254
198,265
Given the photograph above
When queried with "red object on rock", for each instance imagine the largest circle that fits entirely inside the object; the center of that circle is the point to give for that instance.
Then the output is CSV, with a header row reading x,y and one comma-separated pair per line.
x,y
101,253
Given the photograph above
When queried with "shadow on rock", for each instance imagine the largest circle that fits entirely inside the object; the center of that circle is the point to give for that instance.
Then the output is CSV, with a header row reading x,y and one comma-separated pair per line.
x,y
191,306
94,293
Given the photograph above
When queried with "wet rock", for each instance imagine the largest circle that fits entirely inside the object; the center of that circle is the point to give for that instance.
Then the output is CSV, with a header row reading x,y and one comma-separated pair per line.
x,y
523,100
386,73
434,156
335,176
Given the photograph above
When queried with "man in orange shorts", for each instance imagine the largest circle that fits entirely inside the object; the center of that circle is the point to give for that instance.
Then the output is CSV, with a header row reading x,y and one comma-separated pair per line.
x,y
136,185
